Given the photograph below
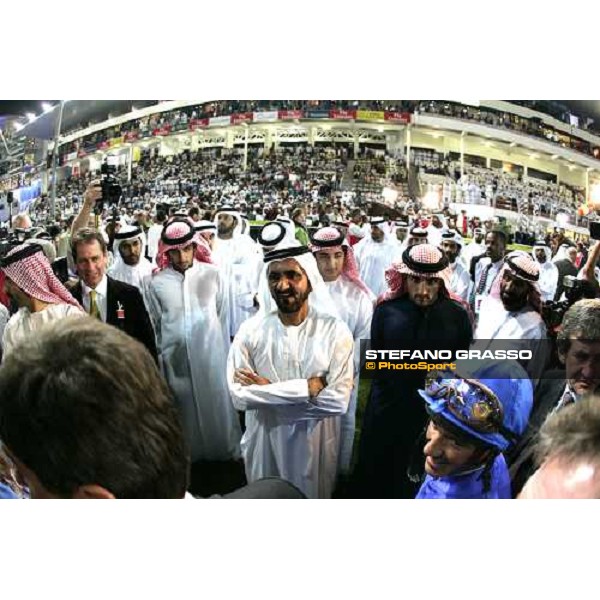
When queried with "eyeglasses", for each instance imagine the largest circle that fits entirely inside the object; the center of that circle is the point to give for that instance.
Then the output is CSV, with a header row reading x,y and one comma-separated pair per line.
x,y
471,402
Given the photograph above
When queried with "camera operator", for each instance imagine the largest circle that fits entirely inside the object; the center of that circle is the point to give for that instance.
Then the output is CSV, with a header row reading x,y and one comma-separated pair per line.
x,y
86,218
566,266
588,271
578,344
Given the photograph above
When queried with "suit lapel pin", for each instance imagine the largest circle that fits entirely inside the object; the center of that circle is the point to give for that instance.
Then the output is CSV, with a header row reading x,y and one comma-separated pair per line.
x,y
120,311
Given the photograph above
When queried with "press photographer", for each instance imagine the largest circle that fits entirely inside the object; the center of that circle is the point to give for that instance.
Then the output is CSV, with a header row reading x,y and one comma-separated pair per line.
x,y
101,194
582,286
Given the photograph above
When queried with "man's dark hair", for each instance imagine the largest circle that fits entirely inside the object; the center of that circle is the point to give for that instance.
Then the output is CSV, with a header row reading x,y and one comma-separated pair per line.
x,y
499,233
87,236
82,403
194,212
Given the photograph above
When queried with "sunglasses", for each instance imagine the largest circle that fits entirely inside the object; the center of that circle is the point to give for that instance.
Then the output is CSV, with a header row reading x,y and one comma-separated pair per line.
x,y
471,402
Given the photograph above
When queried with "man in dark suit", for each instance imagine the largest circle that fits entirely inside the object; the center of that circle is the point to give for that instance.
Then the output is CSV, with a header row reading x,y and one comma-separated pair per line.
x,y
113,302
579,349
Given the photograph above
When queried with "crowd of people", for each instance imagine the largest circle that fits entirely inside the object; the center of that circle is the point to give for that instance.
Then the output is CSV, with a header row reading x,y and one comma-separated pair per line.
x,y
180,118
252,343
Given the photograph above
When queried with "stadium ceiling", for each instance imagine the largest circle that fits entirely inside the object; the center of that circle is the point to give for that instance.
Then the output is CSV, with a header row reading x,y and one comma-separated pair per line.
x,y
77,112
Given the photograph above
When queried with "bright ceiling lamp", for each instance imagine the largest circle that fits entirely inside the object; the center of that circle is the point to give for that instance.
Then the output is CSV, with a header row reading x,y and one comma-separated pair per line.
x,y
47,107
19,126
31,117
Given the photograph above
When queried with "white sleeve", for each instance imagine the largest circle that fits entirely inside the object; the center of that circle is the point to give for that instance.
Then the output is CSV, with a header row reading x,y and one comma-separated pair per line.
x,y
222,301
334,399
8,338
155,311
363,328
293,393
464,282
283,393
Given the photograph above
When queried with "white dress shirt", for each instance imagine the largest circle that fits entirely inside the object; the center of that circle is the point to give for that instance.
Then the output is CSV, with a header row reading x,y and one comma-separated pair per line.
x,y
101,293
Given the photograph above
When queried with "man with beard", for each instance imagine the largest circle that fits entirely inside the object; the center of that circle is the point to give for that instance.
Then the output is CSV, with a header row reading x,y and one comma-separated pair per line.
x,y
475,248
291,370
486,268
512,311
402,234
374,255
186,300
131,265
418,312
33,287
578,344
354,302
239,258
434,231
548,281
452,245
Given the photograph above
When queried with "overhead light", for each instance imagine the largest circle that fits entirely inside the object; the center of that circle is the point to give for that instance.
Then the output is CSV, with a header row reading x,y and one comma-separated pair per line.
x,y
513,144
554,156
534,156
47,107
31,117
19,126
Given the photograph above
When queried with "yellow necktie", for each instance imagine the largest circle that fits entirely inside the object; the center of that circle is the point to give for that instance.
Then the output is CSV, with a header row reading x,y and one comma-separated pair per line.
x,y
94,310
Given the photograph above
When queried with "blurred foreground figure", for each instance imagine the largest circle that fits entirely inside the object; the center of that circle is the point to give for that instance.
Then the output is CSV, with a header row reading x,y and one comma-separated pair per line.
x,y
84,413
569,454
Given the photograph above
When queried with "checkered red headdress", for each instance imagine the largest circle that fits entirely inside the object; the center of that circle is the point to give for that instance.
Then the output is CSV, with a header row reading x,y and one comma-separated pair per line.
x,y
27,266
178,234
422,260
329,239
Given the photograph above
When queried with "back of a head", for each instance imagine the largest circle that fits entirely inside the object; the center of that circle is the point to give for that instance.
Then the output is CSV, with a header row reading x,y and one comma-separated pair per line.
x,y
568,453
82,403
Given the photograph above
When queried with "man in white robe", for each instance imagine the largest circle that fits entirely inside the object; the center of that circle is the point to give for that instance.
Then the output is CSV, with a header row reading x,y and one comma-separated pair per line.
x,y
452,245
374,254
548,271
207,230
187,301
474,248
41,297
401,233
131,265
354,303
291,370
273,235
239,258
512,312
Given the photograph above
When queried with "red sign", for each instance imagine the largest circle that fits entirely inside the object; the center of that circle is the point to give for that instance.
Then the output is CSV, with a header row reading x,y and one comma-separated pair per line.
x,y
164,130
291,114
397,117
342,114
130,136
103,145
197,124
241,118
